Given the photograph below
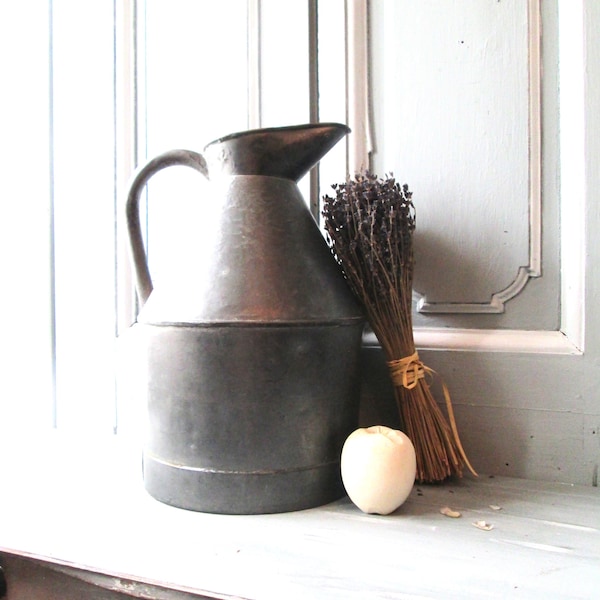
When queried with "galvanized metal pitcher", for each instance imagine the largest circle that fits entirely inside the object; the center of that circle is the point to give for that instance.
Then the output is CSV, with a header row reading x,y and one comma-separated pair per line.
x,y
252,359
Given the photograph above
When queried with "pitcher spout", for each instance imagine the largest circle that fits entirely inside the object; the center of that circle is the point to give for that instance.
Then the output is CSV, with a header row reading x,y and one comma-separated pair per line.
x,y
288,152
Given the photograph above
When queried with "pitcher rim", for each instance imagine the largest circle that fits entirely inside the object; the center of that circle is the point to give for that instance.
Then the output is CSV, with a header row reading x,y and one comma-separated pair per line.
x,y
306,126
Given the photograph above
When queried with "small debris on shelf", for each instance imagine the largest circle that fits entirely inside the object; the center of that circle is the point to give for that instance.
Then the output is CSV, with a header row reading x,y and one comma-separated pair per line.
x,y
495,507
449,512
483,525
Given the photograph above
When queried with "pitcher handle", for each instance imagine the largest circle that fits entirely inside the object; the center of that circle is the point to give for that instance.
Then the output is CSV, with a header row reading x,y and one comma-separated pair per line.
x,y
171,158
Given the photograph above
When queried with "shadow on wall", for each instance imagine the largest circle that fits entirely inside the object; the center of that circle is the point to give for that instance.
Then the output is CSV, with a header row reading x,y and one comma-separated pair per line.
x,y
378,405
495,434
452,272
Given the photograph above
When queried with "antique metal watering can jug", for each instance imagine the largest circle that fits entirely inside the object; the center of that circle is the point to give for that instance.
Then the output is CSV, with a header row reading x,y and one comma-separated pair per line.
x,y
252,360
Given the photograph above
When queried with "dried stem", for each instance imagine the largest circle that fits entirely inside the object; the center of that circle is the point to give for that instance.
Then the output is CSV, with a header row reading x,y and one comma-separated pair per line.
x,y
370,224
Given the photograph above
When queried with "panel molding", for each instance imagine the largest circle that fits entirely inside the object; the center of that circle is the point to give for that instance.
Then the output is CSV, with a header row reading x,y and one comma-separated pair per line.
x,y
489,340
498,300
570,339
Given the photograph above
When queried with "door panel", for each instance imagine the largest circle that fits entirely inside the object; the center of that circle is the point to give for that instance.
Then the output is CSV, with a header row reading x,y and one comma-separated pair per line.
x,y
457,112
504,179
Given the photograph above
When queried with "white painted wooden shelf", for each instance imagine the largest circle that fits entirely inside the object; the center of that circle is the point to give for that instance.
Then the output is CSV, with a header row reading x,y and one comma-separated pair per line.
x,y
80,504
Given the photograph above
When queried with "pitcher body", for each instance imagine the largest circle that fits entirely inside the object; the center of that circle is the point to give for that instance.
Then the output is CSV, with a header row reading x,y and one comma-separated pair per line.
x,y
252,360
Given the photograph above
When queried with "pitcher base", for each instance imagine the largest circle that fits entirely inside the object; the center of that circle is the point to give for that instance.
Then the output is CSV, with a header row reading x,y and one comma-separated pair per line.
x,y
242,493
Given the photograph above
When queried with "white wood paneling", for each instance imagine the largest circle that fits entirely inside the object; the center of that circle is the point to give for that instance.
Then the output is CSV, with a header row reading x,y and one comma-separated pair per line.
x,y
25,226
524,383
458,117
84,212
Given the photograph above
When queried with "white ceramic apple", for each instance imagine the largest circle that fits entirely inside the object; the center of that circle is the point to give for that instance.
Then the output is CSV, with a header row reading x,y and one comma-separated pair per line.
x,y
378,468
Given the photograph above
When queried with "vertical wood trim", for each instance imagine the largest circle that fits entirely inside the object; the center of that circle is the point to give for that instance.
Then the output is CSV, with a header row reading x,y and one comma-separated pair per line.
x,y
535,139
126,150
127,136
313,59
572,65
357,86
254,64
313,91
51,250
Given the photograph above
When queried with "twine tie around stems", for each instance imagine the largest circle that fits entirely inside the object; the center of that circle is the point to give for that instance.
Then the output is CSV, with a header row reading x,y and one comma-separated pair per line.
x,y
406,372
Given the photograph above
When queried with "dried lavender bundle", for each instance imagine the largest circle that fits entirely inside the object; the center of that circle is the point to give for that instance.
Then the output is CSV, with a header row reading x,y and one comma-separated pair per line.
x,y
370,224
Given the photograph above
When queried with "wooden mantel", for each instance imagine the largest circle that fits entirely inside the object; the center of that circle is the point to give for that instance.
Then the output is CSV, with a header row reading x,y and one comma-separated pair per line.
x,y
77,508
